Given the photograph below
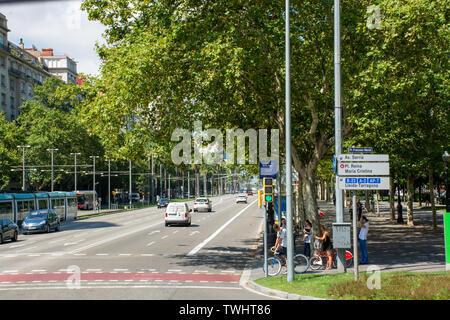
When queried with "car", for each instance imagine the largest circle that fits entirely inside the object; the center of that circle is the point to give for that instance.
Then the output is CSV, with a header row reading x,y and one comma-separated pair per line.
x,y
8,230
250,193
202,204
241,198
178,213
163,202
41,221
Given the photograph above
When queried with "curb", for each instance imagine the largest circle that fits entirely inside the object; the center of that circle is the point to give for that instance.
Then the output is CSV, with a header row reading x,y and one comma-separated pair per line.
x,y
278,293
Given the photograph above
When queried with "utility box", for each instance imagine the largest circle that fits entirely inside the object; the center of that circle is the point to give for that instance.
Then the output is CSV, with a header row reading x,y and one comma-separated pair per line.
x,y
342,235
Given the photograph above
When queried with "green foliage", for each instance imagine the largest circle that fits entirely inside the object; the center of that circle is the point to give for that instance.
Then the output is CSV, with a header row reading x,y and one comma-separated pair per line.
x,y
11,137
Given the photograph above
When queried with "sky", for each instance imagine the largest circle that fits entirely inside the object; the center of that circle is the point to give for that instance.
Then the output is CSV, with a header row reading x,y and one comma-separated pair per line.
x,y
60,25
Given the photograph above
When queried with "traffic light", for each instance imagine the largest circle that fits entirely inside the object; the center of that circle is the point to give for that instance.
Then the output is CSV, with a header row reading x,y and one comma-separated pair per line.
x,y
268,189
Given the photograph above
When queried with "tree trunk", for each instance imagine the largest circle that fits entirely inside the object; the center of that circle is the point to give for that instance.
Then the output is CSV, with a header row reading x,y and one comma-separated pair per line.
x,y
431,188
301,202
378,204
391,197
420,195
410,187
366,193
310,199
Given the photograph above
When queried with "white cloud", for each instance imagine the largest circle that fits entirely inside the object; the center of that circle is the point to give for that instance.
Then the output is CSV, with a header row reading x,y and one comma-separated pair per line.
x,y
60,25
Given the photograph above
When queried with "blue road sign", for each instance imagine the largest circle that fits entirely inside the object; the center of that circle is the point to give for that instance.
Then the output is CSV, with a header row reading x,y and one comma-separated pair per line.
x,y
360,150
268,169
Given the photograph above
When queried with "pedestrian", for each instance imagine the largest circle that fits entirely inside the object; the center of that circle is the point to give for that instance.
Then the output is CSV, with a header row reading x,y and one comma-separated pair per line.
x,y
327,246
307,231
359,209
95,205
334,199
362,239
350,210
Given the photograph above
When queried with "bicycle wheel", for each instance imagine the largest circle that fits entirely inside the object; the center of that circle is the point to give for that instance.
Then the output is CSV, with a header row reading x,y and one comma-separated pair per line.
x,y
349,258
301,263
316,262
273,266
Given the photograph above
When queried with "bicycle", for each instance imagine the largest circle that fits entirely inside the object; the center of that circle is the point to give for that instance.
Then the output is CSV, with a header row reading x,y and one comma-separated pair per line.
x,y
319,260
275,263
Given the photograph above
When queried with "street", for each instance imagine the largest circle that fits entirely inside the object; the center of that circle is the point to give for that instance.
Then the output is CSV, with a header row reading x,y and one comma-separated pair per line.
x,y
132,255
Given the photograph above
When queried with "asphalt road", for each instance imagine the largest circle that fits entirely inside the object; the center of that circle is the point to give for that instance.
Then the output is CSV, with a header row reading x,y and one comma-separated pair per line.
x,y
132,255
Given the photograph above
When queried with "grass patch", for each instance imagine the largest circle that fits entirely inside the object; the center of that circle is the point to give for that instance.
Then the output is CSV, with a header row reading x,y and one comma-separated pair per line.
x,y
393,286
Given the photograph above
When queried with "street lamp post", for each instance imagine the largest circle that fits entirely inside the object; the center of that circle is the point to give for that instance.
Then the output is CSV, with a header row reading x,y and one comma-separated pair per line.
x,y
109,184
93,177
446,158
75,176
23,165
52,150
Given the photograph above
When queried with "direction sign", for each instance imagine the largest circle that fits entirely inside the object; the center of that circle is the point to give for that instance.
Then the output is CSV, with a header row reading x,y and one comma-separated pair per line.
x,y
363,168
360,150
364,183
363,157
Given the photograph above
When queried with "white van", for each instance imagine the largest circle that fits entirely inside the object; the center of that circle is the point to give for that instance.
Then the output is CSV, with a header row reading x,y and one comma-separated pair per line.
x,y
178,213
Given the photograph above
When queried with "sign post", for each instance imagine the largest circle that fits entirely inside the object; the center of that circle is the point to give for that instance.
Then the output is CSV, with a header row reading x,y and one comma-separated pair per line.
x,y
361,170
447,240
355,238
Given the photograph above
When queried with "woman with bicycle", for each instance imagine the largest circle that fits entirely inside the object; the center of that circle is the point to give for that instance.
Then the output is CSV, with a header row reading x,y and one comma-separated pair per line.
x,y
326,245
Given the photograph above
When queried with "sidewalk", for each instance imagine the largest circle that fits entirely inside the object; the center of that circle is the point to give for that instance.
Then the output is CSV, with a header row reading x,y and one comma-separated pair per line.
x,y
397,247
391,246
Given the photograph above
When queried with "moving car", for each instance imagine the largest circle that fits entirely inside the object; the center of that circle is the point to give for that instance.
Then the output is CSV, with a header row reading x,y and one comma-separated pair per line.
x,y
8,230
41,220
163,202
250,193
241,198
202,204
178,213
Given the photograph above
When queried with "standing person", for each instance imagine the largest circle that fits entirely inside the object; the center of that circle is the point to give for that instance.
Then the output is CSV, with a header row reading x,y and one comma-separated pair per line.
x,y
359,209
326,245
307,231
350,210
362,239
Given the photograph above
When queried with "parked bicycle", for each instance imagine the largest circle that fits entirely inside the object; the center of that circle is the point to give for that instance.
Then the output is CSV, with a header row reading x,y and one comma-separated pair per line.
x,y
319,260
277,262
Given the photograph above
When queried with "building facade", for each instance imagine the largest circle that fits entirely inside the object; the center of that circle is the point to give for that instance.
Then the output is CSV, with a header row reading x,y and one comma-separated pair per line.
x,y
61,66
21,69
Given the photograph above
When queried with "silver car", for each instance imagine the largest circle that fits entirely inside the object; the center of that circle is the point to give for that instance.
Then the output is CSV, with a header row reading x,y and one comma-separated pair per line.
x,y
204,204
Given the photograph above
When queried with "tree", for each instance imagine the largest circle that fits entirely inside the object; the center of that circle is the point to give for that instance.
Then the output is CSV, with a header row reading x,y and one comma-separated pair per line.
x,y
223,63
404,89
10,155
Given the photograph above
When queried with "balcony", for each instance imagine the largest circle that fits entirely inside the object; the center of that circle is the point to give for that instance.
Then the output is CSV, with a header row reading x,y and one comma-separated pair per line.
x,y
16,72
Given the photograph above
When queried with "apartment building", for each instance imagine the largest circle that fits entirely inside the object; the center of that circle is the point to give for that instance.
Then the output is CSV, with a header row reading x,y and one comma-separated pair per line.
x,y
21,69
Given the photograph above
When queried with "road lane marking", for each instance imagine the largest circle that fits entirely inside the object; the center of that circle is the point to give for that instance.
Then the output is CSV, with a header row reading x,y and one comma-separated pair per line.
x,y
204,242
148,245
164,237
121,235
